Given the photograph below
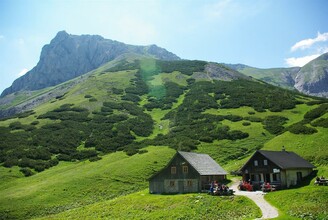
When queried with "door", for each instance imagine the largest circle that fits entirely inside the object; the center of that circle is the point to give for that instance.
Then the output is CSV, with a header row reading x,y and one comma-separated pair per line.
x,y
299,177
181,186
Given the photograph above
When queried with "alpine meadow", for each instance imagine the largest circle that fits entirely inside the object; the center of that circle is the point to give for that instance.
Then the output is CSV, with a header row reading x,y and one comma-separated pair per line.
x,y
85,146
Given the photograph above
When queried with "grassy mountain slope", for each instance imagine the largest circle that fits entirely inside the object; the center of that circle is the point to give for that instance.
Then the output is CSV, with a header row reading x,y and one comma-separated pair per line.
x,y
313,77
282,77
71,185
128,105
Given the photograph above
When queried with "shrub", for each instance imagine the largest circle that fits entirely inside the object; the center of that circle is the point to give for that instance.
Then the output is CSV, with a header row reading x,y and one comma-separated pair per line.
x,y
64,157
25,114
10,162
235,135
274,124
35,123
26,171
93,159
88,96
131,151
93,99
142,151
316,113
246,123
16,125
117,91
321,122
300,128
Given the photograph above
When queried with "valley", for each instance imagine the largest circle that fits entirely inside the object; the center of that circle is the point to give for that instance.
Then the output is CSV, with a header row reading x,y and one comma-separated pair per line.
x,y
88,150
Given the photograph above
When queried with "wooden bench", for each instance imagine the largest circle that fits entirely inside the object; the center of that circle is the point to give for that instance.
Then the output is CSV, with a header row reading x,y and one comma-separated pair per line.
x,y
321,182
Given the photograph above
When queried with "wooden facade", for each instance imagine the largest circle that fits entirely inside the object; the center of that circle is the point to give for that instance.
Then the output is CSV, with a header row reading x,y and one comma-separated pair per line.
x,y
281,168
186,173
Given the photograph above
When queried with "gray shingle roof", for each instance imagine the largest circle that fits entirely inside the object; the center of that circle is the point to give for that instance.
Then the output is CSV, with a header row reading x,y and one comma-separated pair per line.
x,y
286,159
203,163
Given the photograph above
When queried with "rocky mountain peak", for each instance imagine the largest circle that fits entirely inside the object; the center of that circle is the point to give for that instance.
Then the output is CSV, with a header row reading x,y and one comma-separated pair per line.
x,y
68,56
312,79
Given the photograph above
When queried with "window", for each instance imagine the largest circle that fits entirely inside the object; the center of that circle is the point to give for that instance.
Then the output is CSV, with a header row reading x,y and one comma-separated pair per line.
x,y
256,163
265,162
185,169
189,183
173,170
172,183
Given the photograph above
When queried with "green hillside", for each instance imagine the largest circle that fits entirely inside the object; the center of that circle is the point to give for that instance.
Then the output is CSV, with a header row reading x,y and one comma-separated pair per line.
x,y
90,147
282,77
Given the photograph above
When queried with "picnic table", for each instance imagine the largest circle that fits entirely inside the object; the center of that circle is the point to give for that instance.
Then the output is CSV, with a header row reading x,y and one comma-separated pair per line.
x,y
321,182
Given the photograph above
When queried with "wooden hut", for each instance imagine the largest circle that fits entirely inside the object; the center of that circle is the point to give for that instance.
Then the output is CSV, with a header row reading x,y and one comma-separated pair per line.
x,y
281,168
187,172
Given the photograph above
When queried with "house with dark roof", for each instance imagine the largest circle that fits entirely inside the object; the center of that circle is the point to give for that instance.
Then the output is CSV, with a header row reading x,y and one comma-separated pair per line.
x,y
186,172
282,168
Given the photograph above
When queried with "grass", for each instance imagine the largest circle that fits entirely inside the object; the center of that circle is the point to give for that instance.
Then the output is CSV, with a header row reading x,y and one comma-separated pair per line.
x,y
309,202
110,188
72,185
142,205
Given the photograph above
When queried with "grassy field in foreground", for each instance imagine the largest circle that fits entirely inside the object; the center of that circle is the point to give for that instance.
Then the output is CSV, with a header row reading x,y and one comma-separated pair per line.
x,y
143,205
72,185
309,202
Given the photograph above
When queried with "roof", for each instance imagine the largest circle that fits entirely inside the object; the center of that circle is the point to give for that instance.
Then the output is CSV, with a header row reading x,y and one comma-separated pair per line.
x,y
284,159
203,163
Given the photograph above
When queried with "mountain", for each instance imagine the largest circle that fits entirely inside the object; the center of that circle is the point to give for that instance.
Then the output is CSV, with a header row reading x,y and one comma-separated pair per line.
x,y
89,149
68,56
312,79
282,77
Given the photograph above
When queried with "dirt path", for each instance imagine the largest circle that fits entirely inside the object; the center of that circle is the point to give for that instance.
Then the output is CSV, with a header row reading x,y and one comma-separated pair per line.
x,y
268,211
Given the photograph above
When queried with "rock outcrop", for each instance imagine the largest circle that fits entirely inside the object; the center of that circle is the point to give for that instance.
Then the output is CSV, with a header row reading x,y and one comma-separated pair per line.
x,y
312,79
68,56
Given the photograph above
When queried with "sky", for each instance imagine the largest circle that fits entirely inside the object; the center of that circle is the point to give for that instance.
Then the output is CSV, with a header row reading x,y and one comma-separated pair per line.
x,y
258,33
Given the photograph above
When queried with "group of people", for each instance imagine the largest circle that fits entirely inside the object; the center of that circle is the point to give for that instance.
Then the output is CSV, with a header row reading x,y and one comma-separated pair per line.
x,y
321,181
266,187
245,185
219,189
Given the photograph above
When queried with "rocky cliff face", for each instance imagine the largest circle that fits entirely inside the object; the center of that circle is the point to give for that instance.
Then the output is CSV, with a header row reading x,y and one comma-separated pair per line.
x,y
68,56
312,79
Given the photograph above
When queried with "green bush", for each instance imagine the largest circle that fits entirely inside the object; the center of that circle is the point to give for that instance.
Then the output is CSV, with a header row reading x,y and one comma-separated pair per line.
x,y
94,159
274,124
317,112
321,122
246,123
300,128
93,99
27,172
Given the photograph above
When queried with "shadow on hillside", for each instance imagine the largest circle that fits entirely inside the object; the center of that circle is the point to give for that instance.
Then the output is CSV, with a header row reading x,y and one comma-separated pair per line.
x,y
307,180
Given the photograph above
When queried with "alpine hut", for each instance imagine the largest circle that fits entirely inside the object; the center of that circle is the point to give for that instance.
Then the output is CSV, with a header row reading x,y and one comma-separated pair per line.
x,y
186,172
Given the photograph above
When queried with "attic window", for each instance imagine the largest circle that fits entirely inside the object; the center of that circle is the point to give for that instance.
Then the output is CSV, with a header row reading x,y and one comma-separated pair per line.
x,y
185,169
173,170
256,163
265,162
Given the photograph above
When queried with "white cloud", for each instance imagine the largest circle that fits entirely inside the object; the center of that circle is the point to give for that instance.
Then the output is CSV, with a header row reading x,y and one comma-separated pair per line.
x,y
307,43
22,72
300,61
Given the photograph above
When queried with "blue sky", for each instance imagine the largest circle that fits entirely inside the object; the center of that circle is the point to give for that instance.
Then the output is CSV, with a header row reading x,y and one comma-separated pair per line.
x,y
259,33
